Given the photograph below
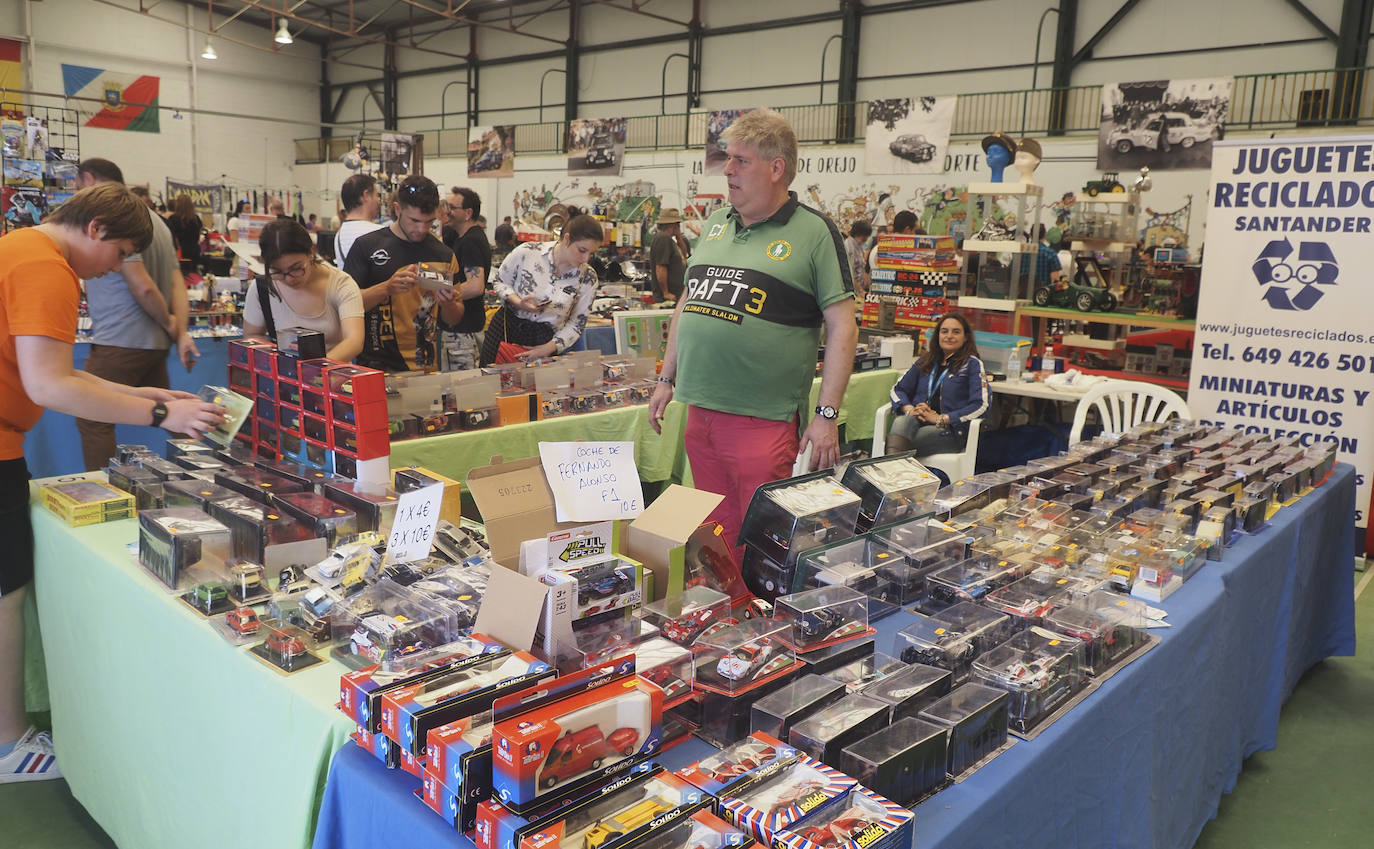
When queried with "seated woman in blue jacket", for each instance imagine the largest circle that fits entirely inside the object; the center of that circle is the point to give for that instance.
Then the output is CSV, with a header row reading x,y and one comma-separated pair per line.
x,y
935,399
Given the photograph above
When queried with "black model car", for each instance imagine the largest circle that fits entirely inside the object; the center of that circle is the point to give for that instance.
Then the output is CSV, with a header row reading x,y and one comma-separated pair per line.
x,y
603,585
601,151
912,147
816,624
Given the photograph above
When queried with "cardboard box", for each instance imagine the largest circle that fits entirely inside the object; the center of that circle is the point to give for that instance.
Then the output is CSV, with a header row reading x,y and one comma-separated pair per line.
x,y
657,538
516,504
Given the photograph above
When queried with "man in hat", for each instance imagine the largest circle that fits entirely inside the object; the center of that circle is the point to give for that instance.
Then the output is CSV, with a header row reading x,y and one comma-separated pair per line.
x,y
999,149
668,252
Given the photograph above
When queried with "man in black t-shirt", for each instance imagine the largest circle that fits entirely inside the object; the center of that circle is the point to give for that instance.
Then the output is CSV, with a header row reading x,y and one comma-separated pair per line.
x,y
405,311
462,345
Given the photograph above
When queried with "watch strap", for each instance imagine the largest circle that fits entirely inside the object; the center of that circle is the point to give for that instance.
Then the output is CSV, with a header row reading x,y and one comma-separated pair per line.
x,y
827,412
159,414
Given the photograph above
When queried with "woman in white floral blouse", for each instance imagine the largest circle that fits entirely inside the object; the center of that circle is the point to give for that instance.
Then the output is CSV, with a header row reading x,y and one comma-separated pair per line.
x,y
546,291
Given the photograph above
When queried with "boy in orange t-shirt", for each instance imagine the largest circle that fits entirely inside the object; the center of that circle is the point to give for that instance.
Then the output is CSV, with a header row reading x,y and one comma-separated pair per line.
x,y
39,268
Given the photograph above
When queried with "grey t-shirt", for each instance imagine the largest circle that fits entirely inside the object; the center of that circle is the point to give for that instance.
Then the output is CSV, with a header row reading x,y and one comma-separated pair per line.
x,y
117,319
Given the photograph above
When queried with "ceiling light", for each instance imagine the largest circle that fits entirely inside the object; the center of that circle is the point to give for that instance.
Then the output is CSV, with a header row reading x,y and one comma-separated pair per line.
x,y
209,51
283,36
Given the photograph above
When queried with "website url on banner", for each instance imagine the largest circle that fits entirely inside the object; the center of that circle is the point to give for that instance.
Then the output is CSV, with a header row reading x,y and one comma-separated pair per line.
x,y
1251,331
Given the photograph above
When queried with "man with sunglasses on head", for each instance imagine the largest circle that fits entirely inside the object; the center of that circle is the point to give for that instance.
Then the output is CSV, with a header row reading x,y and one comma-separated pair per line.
x,y
407,279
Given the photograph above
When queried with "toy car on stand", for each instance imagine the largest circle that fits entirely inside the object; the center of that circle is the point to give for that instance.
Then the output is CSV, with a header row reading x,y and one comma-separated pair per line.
x,y
1087,291
243,621
284,647
753,660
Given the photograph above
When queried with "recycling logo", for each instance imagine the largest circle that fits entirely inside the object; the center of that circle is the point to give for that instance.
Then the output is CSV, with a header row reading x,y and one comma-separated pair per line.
x,y
1293,285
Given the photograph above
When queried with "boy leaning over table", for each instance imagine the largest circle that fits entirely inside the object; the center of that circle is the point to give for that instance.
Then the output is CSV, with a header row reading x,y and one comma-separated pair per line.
x,y
87,236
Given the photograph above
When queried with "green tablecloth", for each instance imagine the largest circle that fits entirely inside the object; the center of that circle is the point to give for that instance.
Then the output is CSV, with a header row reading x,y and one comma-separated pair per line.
x,y
659,457
168,735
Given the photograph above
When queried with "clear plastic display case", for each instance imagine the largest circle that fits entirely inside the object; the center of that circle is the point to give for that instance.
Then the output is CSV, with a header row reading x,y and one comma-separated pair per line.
x,y
823,734
891,489
859,673
823,616
788,517
960,497
685,617
977,719
334,522
666,664
867,564
904,762
174,540
1039,669
738,658
387,619
907,691
971,580
254,526
1030,599
776,713
600,639
954,637
1110,627
925,542
375,505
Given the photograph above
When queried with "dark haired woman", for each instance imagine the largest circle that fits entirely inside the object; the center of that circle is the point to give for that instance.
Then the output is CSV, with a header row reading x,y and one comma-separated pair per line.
x,y
186,227
938,395
300,290
546,291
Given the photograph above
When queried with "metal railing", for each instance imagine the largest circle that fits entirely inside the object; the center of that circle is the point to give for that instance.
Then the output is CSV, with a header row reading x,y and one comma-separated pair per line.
x,y
1291,99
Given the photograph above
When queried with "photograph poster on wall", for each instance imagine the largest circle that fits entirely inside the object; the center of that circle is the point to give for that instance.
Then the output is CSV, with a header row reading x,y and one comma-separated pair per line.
x,y
596,147
396,154
1162,123
491,151
716,122
908,135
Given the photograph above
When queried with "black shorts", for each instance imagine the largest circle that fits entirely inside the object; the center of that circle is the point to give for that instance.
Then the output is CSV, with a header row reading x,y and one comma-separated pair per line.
x,y
16,527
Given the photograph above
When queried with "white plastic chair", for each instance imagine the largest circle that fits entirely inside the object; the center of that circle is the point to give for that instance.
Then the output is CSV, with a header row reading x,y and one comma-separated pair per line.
x,y
1122,404
956,466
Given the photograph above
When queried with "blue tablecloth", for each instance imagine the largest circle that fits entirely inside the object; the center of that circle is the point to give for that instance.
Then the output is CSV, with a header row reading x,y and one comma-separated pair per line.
x,y
1142,762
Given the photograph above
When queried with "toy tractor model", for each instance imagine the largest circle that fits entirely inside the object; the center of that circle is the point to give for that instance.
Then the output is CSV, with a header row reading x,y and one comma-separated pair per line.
x,y
1107,183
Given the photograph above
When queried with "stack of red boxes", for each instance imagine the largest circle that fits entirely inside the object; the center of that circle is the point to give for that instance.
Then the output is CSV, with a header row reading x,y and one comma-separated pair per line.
x,y
323,413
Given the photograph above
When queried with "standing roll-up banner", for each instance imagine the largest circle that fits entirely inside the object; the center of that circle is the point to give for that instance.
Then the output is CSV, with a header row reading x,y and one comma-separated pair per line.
x,y
1285,321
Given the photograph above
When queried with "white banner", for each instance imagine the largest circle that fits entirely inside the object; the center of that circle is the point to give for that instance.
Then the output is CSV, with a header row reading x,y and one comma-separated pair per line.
x,y
1284,341
908,135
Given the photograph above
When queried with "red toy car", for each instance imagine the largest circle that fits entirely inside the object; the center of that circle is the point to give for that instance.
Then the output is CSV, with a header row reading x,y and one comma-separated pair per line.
x,y
579,751
832,833
664,677
684,630
284,646
243,620
751,758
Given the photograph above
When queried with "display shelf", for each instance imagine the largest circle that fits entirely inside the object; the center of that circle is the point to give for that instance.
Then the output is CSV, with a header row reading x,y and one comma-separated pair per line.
x,y
1106,246
1105,318
1157,379
1034,190
1108,197
1000,246
972,302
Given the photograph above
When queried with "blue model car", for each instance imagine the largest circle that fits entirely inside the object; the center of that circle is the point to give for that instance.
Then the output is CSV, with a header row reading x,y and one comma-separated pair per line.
x,y
614,583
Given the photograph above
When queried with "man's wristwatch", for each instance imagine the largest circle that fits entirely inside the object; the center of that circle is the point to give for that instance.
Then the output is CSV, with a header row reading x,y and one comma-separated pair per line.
x,y
827,412
159,413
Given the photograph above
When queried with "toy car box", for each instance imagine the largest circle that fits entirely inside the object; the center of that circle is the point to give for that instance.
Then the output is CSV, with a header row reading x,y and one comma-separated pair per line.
x,y
1110,627
701,830
387,619
742,657
865,820
952,638
631,812
787,517
826,660
172,541
255,527
908,690
867,564
1028,600
976,717
904,762
560,739
456,773
375,506
765,577
736,763
777,796
87,502
257,484
194,493
970,580
468,687
361,690
666,664
332,521
776,713
859,673
1039,669
924,542
824,616
891,488
688,615
827,731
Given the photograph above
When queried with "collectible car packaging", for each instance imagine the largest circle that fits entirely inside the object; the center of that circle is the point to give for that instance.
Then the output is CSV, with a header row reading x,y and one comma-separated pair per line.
x,y
970,580
195,493
907,691
173,540
1029,599
824,733
891,489
858,674
1039,669
327,519
87,502
775,797
614,819
378,746
736,763
826,660
693,613
388,620
701,830
375,506
867,564
765,577
776,713
961,497
924,542
1110,627
865,821
744,656
787,517
823,616
360,691
952,638
666,664
466,688
257,484
976,717
904,762
499,827
457,769
564,737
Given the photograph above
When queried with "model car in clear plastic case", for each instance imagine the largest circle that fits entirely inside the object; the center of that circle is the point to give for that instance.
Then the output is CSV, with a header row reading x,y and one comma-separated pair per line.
x,y
891,488
952,638
1030,599
1110,627
749,754
742,656
1039,669
976,716
685,617
242,620
787,517
823,616
827,731
971,580
284,647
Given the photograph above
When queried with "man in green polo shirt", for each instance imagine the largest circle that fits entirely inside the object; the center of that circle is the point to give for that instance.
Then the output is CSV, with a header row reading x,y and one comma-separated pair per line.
x,y
767,272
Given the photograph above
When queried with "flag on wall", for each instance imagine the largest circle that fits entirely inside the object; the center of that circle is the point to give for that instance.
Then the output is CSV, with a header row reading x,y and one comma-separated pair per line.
x,y
11,65
130,101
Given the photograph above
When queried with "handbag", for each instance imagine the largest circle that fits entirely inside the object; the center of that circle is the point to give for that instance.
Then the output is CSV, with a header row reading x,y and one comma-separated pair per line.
x,y
507,351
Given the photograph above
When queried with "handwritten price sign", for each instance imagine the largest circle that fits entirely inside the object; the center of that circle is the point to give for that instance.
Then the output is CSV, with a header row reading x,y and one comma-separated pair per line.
x,y
593,481
412,534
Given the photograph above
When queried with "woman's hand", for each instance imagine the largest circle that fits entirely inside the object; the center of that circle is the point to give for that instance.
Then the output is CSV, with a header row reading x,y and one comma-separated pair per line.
x,y
530,304
539,352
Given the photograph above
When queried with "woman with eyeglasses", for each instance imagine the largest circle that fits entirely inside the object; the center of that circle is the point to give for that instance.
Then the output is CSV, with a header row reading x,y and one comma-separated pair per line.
x,y
301,290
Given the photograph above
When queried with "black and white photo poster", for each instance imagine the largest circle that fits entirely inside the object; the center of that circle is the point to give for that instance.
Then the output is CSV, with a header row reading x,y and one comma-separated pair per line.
x,y
596,146
908,135
1165,124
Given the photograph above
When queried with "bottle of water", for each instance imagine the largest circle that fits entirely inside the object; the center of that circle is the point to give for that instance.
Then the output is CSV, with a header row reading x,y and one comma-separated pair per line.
x,y
1014,368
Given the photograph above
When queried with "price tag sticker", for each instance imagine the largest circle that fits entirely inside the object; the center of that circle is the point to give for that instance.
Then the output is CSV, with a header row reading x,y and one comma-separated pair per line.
x,y
412,533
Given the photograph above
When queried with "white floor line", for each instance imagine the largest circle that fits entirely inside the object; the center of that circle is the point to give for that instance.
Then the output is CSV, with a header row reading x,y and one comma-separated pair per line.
x,y
1364,582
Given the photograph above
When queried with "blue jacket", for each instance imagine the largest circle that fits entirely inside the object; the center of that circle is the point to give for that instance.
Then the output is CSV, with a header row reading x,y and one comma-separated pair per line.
x,y
963,394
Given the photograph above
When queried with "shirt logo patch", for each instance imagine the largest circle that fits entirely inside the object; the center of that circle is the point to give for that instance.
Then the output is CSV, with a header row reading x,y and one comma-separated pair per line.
x,y
779,250
380,257
717,230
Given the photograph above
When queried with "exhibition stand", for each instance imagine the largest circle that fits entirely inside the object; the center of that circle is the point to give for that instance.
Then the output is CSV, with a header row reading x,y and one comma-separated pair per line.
x,y
1142,762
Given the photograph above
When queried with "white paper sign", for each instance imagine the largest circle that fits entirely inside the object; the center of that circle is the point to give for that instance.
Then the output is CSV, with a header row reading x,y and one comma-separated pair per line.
x,y
593,481
412,533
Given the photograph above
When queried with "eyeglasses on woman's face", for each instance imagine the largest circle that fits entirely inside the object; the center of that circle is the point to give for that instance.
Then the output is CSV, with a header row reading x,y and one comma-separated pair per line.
x,y
295,271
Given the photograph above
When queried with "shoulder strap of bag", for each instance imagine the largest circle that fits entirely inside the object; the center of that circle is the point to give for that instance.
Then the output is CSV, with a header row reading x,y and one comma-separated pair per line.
x,y
265,301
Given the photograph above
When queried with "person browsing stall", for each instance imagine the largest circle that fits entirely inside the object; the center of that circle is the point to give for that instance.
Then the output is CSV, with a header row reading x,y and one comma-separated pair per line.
x,y
940,393
546,291
406,305
766,275
361,205
462,345
89,235
301,290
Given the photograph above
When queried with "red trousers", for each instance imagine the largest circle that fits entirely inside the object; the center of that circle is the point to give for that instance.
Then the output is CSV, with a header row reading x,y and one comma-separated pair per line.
x,y
732,455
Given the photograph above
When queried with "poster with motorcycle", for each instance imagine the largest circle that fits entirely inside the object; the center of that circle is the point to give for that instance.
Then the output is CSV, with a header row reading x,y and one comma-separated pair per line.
x,y
1165,124
491,151
908,135
596,147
